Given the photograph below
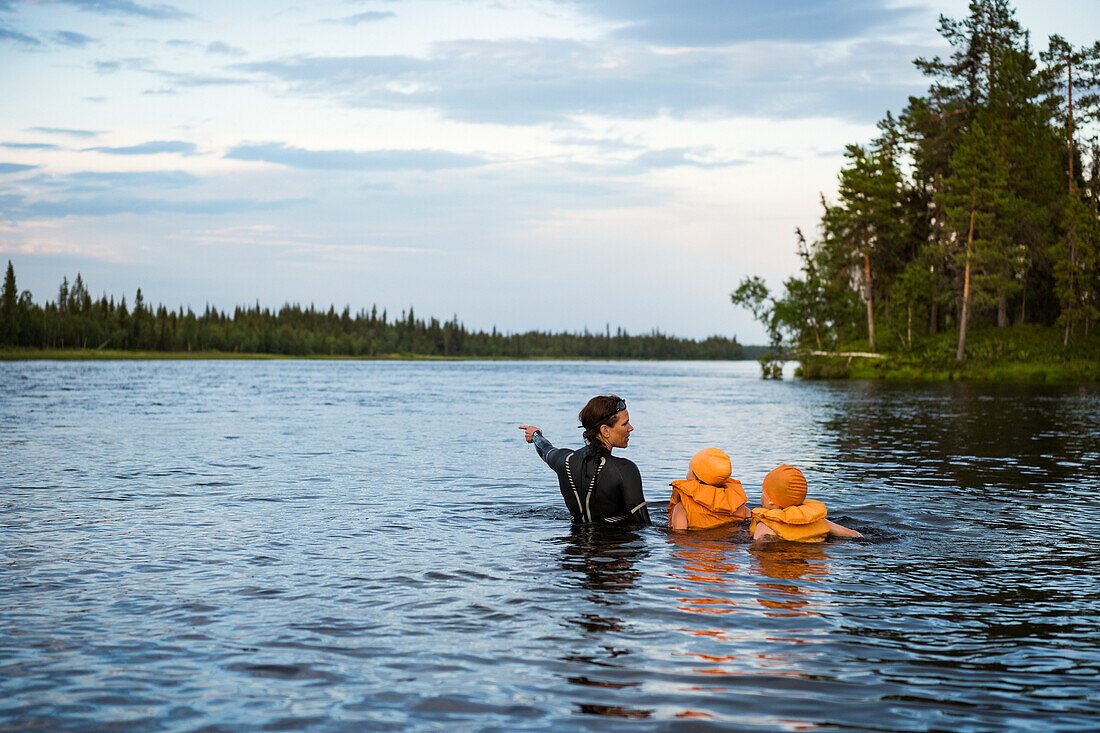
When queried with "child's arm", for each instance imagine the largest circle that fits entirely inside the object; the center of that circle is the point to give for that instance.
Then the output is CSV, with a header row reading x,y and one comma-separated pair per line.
x,y
763,531
679,517
836,530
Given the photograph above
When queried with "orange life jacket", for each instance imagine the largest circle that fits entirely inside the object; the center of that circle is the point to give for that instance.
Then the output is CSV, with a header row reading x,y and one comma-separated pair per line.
x,y
803,522
708,506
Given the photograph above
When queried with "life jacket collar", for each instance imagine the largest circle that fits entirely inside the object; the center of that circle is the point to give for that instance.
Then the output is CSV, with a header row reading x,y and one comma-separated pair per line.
x,y
706,505
807,512
803,522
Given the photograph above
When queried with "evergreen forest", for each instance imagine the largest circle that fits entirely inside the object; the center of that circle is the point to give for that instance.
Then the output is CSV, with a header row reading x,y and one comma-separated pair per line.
x,y
976,209
76,320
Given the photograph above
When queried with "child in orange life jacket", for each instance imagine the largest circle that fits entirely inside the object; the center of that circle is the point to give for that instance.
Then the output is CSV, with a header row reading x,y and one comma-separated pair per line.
x,y
708,497
786,513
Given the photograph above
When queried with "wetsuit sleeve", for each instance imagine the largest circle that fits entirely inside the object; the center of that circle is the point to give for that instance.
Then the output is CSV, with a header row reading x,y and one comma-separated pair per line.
x,y
554,457
632,494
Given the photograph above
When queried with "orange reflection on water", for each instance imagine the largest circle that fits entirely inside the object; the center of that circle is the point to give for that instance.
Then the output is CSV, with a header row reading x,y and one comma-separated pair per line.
x,y
709,578
750,664
721,576
712,657
693,714
717,634
806,562
708,572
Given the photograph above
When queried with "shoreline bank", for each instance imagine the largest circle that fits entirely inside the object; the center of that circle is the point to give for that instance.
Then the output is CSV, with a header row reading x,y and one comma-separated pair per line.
x,y
1021,354
895,370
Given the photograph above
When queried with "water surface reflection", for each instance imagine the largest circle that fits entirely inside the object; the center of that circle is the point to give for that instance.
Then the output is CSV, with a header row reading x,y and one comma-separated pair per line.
x,y
278,545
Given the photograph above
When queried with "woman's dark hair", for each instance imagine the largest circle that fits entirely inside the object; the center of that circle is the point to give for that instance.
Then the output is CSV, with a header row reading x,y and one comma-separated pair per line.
x,y
600,410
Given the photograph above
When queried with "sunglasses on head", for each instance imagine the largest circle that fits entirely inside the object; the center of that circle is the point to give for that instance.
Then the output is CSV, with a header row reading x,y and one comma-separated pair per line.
x,y
619,407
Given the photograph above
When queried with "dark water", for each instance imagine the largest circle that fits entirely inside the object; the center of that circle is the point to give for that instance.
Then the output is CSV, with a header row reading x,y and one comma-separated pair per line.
x,y
341,545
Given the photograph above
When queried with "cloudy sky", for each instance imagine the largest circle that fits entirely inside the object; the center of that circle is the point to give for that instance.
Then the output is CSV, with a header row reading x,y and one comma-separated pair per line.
x,y
549,164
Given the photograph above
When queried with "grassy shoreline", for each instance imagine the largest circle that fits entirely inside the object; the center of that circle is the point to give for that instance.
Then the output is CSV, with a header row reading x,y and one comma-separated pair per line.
x,y
1073,372
1021,354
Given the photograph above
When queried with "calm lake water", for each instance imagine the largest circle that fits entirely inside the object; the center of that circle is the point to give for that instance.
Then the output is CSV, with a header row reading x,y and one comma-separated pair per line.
x,y
371,545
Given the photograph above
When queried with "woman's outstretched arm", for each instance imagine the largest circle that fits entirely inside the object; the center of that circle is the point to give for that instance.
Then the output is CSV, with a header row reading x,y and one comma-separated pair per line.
x,y
546,450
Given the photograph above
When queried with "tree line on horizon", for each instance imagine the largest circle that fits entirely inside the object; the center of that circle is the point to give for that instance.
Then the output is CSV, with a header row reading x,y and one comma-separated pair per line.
x,y
974,208
77,320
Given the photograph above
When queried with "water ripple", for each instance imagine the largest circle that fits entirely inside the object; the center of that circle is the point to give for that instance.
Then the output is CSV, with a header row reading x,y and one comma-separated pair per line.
x,y
348,546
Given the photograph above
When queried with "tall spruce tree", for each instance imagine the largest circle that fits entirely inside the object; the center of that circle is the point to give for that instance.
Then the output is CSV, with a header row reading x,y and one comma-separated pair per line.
x,y
975,205
933,126
9,315
866,226
1073,84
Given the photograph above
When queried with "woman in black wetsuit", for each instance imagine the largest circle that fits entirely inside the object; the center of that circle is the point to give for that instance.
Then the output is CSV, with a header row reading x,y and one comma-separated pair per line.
x,y
597,486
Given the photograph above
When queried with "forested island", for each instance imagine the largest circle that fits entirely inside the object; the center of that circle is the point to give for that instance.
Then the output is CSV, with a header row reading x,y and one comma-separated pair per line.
x,y
965,240
76,325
